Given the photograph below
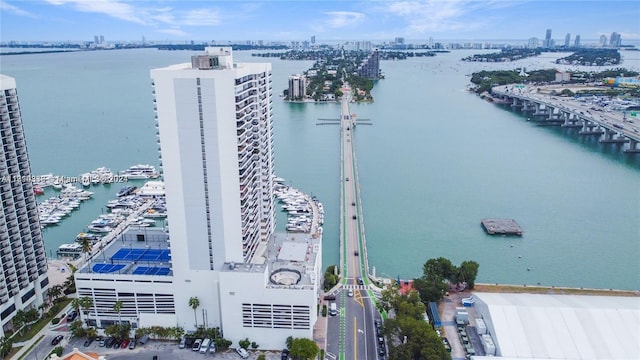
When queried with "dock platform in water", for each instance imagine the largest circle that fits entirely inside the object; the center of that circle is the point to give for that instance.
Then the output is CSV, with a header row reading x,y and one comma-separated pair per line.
x,y
501,227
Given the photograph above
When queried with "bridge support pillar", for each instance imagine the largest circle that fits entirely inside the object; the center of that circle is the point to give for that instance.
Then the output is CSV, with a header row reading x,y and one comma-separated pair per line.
x,y
633,147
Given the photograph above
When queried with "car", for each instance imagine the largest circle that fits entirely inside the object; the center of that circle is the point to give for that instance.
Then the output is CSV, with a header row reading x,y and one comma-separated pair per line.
x,y
285,354
88,341
188,341
196,345
359,281
356,253
109,342
354,217
56,340
132,344
381,351
71,315
380,340
125,343
346,179
353,203
116,344
242,352
183,342
102,342
350,293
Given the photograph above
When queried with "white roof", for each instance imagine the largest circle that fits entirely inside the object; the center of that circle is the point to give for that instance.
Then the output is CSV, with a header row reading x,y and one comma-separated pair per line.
x,y
537,326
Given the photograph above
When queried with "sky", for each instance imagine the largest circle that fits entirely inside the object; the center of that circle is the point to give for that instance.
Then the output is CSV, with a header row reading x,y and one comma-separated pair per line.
x,y
328,20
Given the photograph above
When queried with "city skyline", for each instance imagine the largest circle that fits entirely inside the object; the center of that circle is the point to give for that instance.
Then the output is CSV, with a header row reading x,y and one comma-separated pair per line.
x,y
80,20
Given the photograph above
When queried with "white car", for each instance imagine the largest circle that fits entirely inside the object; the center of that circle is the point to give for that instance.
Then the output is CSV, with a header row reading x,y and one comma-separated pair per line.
x,y
242,352
350,293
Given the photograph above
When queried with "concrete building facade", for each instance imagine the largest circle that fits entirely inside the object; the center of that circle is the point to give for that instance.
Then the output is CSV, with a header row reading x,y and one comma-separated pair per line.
x,y
23,277
214,121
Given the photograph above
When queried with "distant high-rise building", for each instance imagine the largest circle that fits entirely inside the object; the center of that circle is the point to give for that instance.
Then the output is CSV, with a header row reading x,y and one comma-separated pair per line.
x,y
313,40
603,40
399,40
533,43
23,280
615,40
101,39
370,68
547,39
577,41
96,39
297,87
567,40
430,42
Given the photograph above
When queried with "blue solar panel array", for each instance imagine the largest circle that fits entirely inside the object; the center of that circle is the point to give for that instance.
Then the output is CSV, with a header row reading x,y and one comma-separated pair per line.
x,y
107,268
152,255
146,270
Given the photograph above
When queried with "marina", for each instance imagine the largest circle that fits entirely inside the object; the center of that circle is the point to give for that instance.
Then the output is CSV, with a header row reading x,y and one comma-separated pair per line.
x,y
301,209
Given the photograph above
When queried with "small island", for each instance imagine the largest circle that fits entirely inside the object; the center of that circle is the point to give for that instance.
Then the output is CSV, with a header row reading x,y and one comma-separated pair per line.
x,y
504,55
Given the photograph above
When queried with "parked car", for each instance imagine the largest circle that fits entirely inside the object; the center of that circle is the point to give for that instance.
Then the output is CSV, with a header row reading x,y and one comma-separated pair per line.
x,y
242,352
71,315
88,341
116,343
285,354
125,344
56,340
132,344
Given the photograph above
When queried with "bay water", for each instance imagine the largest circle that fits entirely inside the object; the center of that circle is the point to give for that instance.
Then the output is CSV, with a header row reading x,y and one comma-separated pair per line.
x,y
436,161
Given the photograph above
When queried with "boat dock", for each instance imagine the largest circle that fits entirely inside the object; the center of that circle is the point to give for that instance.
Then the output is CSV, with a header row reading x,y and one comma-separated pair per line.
x,y
501,227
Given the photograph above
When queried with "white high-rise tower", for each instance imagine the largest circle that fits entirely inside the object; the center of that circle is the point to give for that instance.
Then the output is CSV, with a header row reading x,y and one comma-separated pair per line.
x,y
23,278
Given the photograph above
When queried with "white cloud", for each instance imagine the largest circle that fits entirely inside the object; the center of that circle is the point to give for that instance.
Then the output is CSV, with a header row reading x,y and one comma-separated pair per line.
x,y
174,32
201,17
5,6
136,12
437,15
340,19
113,8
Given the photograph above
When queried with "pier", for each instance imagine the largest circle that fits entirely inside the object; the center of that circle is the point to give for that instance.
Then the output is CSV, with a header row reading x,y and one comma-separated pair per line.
x,y
545,108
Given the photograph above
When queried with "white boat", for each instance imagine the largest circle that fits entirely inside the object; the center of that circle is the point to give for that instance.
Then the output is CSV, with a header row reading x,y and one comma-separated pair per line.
x,y
85,179
74,250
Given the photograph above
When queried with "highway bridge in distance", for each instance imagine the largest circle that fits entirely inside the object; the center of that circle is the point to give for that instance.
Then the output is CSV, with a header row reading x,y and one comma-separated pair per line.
x,y
546,108
352,333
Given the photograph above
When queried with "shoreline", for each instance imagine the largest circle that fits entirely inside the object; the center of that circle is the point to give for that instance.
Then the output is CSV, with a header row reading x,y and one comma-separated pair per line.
x,y
557,290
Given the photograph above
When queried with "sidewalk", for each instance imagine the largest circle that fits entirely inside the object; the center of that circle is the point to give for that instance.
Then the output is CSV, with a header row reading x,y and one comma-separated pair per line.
x,y
320,330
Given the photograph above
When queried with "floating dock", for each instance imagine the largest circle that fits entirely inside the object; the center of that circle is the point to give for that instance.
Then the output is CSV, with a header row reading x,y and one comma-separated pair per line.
x,y
501,227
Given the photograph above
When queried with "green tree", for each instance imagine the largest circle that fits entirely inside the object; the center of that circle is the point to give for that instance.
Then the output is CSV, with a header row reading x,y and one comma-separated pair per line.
x,y
222,344
468,271
262,357
6,345
194,303
302,348
77,330
254,345
85,303
244,343
117,307
19,320
289,341
413,339
86,246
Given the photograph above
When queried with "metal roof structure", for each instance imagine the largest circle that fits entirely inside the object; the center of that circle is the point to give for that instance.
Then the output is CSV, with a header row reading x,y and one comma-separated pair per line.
x,y
541,326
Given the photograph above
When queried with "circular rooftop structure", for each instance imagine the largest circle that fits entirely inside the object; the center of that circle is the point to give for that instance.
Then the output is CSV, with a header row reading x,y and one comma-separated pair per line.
x,y
285,276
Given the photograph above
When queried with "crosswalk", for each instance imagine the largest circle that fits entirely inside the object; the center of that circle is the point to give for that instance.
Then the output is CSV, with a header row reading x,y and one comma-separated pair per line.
x,y
355,287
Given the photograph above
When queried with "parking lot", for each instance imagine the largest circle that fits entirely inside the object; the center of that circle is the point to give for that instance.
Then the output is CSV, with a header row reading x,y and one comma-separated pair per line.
x,y
164,350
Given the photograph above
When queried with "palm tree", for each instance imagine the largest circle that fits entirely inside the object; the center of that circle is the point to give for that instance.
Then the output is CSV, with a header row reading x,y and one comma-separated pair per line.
x,y
194,302
86,246
85,303
117,307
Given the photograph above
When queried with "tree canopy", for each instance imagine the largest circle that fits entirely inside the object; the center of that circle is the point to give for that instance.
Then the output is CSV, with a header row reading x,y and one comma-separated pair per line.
x,y
302,349
438,273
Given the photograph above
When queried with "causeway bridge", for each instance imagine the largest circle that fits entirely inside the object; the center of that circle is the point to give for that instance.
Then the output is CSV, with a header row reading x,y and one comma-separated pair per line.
x,y
547,109
351,333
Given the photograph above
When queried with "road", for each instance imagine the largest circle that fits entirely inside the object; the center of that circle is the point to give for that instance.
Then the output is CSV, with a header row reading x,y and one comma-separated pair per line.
x,y
351,334
612,120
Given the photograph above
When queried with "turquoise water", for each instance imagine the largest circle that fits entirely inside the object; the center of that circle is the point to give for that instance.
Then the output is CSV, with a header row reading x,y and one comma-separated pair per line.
x,y
436,161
